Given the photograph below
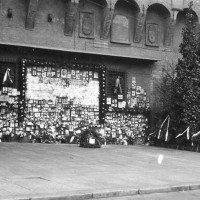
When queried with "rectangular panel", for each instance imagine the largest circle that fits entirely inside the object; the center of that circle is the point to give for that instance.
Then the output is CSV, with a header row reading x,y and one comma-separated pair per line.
x,y
139,29
120,29
30,19
151,34
112,77
64,99
86,25
69,24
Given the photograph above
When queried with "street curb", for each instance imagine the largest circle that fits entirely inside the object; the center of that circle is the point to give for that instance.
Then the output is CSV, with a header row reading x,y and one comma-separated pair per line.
x,y
194,187
67,197
164,190
108,194
115,194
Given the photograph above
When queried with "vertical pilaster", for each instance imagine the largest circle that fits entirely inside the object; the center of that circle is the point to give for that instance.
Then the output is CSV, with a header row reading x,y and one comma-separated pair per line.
x,y
169,33
31,14
106,24
139,27
71,14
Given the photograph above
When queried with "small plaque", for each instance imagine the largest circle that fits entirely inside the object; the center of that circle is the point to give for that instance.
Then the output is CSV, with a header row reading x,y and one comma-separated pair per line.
x,y
86,26
151,34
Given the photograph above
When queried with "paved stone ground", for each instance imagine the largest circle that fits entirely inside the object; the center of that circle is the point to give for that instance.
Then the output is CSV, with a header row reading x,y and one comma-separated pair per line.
x,y
184,195
43,170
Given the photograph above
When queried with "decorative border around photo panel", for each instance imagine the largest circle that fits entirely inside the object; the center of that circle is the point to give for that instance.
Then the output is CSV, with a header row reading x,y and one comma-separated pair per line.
x,y
76,68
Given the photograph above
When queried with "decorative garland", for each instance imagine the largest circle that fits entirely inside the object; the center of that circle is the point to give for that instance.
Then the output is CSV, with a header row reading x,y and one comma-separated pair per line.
x,y
22,89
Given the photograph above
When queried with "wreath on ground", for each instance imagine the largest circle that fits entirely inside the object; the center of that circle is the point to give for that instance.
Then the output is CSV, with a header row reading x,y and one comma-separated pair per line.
x,y
90,139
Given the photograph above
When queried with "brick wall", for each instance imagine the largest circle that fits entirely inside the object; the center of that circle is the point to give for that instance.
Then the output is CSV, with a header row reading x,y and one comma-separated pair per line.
x,y
51,36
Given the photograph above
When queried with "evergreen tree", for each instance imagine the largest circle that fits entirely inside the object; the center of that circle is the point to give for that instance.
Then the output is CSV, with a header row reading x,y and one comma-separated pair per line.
x,y
186,106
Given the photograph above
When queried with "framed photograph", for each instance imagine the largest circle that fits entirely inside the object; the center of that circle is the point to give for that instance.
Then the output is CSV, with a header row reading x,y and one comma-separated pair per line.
x,y
29,69
85,74
48,74
71,128
39,69
133,93
90,73
73,72
78,76
59,99
34,73
53,74
128,95
138,90
39,73
96,75
69,76
4,90
44,74
28,128
133,85
63,73
66,116
58,75
120,96
119,104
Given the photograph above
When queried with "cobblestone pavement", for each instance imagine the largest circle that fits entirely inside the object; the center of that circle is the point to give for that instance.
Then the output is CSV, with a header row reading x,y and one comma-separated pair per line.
x,y
43,170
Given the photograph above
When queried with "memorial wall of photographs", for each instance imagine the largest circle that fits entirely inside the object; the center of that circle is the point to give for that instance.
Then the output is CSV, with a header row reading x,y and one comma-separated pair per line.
x,y
70,96
67,95
11,99
123,125
9,115
130,113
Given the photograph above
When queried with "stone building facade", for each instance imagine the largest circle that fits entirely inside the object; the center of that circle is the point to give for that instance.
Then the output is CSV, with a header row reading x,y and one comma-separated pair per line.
x,y
132,39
